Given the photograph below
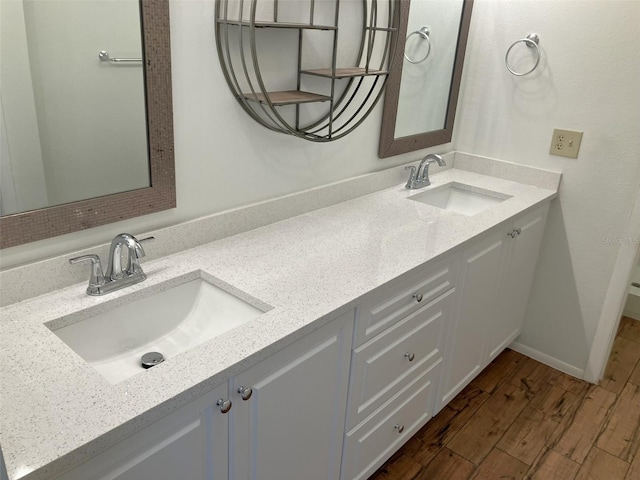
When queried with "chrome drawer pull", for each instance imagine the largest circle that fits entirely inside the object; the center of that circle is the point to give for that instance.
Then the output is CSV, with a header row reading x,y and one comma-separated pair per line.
x,y
399,427
418,297
410,356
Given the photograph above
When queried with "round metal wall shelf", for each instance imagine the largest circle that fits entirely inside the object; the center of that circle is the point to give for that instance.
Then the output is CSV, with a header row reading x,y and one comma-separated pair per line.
x,y
322,100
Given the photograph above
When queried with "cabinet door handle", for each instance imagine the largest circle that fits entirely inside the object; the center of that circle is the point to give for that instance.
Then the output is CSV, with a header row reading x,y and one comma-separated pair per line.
x,y
245,392
512,234
418,297
410,356
399,427
225,405
518,231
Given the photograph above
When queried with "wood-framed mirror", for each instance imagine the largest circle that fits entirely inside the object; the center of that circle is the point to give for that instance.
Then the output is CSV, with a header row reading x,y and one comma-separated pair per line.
x,y
103,198
422,92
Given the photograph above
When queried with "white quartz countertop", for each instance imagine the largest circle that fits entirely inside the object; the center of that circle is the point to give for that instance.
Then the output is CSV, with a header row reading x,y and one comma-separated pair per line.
x,y
57,411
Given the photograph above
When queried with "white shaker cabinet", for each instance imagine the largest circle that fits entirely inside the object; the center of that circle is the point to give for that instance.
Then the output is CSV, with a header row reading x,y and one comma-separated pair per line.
x,y
396,364
496,274
292,425
281,419
523,247
189,444
339,401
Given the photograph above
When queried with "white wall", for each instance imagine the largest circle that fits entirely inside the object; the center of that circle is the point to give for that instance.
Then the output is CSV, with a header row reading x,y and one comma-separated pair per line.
x,y
588,80
223,158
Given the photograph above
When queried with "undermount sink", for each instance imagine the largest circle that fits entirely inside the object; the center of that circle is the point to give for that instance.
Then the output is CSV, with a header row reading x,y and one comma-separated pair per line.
x,y
169,322
460,198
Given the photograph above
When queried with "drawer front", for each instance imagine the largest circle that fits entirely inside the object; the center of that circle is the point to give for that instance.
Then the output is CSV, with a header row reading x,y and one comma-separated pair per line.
x,y
394,358
389,305
370,444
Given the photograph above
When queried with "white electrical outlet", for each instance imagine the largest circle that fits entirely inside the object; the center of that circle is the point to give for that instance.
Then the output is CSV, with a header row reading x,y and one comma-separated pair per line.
x,y
565,143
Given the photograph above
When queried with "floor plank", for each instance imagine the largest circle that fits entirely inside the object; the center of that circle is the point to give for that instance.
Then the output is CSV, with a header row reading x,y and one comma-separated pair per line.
x,y
635,375
400,467
500,465
553,466
624,357
476,439
447,465
502,367
600,465
629,329
621,433
634,469
523,372
441,428
528,435
585,425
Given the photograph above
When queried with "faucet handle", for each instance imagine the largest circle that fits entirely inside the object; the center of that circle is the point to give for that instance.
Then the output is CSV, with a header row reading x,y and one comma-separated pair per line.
x,y
97,277
411,183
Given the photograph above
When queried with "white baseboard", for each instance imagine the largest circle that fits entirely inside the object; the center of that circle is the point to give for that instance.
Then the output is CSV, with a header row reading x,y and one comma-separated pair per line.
x,y
548,360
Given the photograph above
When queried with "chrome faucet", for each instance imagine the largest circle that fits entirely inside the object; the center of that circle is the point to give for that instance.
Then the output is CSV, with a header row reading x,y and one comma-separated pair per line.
x,y
116,277
420,177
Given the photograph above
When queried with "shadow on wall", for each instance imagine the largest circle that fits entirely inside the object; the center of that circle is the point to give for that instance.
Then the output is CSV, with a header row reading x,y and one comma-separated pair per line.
x,y
554,313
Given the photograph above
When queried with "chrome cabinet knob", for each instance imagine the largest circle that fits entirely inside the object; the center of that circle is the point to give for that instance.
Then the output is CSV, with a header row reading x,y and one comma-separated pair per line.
x,y
418,297
410,356
399,428
225,405
245,392
513,233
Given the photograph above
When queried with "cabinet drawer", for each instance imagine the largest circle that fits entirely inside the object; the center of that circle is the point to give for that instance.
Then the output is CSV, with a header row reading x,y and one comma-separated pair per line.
x,y
392,303
388,362
370,444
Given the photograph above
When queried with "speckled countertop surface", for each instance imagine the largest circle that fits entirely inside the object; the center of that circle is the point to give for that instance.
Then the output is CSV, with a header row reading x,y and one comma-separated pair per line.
x,y
57,411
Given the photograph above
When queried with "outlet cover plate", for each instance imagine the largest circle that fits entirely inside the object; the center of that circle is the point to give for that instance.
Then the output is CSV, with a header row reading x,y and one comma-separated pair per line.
x,y
565,143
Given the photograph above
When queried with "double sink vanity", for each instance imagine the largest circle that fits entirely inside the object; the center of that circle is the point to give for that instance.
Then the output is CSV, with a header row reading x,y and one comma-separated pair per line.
x,y
313,347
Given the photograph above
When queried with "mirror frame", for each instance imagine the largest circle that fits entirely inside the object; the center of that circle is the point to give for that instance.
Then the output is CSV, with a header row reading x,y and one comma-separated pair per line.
x,y
39,224
389,144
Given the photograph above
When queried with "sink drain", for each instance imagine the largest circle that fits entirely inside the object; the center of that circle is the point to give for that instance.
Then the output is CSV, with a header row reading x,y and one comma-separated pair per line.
x,y
151,359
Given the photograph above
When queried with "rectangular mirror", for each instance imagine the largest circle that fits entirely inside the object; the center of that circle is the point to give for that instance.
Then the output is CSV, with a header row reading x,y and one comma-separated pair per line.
x,y
422,92
87,128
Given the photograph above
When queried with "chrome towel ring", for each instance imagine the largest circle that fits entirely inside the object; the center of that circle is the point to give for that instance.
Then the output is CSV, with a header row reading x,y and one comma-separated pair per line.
x,y
424,34
532,41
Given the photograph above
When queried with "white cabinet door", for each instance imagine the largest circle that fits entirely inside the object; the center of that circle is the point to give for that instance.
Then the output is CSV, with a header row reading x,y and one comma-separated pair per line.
x,y
292,426
189,444
466,347
516,280
495,280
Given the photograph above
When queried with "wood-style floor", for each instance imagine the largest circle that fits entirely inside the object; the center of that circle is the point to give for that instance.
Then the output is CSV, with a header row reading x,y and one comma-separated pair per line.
x,y
520,419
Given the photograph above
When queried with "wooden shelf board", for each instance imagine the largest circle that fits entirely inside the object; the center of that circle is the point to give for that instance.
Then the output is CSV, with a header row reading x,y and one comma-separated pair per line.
x,y
298,26
289,97
344,72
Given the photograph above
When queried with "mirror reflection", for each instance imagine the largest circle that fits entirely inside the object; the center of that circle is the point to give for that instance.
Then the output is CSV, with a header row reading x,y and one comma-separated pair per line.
x,y
430,50
422,93
73,126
